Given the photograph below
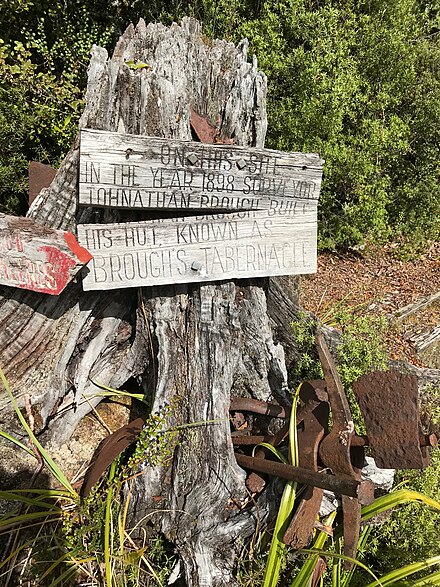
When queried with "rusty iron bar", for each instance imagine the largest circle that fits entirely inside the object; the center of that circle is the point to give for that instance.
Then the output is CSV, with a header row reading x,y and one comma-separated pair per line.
x,y
244,404
362,490
356,440
424,439
251,440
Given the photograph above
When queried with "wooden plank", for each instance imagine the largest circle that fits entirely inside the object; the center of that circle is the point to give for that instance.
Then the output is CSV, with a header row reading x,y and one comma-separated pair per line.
x,y
132,171
38,258
253,243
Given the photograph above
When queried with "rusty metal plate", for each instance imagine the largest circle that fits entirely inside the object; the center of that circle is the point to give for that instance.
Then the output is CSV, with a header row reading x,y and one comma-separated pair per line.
x,y
40,176
389,404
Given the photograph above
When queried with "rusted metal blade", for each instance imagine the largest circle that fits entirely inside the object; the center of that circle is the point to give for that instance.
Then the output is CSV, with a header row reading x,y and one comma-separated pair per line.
x,y
340,409
389,404
309,436
111,448
335,449
351,515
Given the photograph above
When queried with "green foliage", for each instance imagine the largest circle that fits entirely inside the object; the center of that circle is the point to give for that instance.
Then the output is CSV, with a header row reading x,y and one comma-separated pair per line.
x,y
44,52
359,83
303,333
411,533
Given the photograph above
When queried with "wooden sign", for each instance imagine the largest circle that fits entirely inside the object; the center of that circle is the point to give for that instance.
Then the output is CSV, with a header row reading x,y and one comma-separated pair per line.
x,y
252,243
38,258
132,171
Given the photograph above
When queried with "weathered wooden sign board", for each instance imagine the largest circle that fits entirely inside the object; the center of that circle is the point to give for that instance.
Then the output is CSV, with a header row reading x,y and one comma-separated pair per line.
x,y
132,171
200,248
38,258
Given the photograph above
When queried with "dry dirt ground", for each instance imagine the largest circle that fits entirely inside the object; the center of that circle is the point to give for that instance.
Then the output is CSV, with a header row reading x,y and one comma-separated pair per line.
x,y
376,283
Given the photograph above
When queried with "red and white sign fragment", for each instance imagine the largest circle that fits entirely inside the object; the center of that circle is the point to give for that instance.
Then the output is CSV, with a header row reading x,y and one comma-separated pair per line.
x,y
38,258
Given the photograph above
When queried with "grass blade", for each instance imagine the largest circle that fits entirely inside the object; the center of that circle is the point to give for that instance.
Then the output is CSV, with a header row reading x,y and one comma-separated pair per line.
x,y
17,443
397,575
50,463
277,546
273,450
326,553
303,577
12,496
391,500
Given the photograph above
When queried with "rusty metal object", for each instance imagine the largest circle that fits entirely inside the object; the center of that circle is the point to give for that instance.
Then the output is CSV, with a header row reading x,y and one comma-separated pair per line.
x,y
205,131
251,440
255,482
363,490
335,449
428,440
309,436
244,404
40,176
111,448
388,401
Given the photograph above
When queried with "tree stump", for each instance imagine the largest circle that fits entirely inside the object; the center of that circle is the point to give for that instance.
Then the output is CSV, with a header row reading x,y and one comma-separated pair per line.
x,y
190,343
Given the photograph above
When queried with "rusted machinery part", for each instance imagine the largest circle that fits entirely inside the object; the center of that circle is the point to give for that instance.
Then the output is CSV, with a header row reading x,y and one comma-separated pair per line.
x,y
388,401
363,490
335,449
110,449
244,404
309,435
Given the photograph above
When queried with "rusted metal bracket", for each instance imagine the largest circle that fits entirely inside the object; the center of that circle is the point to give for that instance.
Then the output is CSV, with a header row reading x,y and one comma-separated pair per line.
x,y
309,435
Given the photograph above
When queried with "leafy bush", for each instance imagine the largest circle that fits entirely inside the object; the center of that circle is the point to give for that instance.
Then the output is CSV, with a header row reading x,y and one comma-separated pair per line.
x,y
357,82
411,533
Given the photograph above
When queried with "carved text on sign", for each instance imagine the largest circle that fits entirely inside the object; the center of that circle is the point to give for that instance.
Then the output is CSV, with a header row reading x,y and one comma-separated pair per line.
x,y
251,243
131,171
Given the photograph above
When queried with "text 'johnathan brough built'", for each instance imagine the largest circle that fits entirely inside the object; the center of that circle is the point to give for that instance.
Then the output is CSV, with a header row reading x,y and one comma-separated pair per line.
x,y
267,201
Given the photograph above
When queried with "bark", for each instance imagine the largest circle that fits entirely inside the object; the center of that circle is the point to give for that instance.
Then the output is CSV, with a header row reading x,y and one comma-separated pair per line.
x,y
192,345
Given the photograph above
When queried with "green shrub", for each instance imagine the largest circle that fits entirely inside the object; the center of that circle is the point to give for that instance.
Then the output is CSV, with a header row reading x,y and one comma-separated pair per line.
x,y
357,82
411,533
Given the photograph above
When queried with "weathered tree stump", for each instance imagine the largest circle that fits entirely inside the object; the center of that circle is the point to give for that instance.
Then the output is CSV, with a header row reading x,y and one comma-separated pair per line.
x,y
194,344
